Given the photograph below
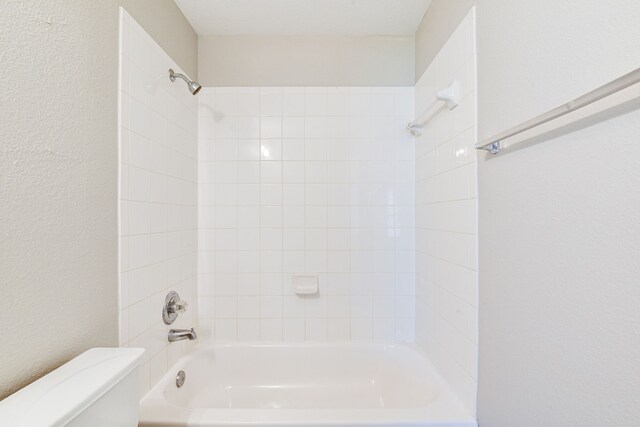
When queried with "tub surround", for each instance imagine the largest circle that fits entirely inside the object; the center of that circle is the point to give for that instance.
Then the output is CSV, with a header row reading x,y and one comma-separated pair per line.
x,y
270,182
446,218
309,180
299,180
158,200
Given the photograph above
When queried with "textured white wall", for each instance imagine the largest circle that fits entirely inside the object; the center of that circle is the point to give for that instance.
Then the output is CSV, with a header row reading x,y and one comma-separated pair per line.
x,y
559,224
446,217
158,199
58,175
306,180
306,61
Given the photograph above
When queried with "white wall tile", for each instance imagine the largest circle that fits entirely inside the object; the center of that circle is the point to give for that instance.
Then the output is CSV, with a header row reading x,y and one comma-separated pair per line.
x,y
294,330
445,222
271,330
299,191
158,198
248,330
226,330
339,329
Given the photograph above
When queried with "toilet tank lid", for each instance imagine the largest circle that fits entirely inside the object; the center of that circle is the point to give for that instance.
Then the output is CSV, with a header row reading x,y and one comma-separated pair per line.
x,y
61,395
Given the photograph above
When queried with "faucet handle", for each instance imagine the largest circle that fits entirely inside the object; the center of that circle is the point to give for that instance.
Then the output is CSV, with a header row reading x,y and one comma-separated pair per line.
x,y
173,305
178,307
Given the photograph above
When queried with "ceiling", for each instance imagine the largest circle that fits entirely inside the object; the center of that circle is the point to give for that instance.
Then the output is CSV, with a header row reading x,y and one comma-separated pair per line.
x,y
304,17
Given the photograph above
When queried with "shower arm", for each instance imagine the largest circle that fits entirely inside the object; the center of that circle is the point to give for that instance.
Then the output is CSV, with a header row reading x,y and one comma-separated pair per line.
x,y
173,75
194,87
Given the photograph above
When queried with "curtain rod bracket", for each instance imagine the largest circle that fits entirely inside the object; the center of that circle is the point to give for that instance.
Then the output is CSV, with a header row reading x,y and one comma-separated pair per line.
x,y
493,148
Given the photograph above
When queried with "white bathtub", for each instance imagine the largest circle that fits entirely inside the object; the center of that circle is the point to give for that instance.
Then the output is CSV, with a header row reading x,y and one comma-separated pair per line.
x,y
303,385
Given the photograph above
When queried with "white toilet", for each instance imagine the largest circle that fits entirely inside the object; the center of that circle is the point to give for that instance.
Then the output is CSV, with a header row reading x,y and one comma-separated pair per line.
x,y
99,388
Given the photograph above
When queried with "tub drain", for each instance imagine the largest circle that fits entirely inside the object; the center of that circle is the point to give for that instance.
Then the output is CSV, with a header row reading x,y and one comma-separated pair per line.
x,y
180,379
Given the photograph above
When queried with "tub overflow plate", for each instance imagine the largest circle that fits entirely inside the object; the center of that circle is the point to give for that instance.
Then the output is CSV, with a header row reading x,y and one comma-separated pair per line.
x,y
180,379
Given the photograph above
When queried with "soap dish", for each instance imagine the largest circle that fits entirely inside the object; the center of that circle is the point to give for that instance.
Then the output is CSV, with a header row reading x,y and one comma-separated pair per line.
x,y
305,284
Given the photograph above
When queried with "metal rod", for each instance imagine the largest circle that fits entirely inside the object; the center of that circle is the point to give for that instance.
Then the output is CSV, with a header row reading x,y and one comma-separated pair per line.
x,y
493,144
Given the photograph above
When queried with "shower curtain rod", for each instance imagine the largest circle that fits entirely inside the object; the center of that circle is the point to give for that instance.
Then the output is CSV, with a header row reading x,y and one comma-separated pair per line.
x,y
493,144
449,95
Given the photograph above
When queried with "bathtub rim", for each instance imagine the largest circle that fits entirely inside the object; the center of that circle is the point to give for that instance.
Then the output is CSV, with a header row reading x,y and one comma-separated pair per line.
x,y
446,410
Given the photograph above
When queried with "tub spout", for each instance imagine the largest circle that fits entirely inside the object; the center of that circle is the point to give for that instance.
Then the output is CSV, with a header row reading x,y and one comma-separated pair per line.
x,y
182,334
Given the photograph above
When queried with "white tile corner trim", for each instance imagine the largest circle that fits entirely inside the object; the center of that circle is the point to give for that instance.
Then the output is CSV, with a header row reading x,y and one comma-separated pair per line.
x,y
157,199
446,218
306,180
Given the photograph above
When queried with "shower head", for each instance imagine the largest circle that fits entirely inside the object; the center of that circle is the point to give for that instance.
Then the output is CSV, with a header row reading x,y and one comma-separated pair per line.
x,y
194,87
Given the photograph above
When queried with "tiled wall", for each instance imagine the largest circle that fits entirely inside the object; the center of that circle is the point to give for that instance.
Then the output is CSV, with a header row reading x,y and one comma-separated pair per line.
x,y
298,180
446,218
158,199
316,180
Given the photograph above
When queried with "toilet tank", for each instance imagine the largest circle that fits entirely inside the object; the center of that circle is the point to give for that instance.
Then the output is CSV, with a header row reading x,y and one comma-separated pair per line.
x,y
99,388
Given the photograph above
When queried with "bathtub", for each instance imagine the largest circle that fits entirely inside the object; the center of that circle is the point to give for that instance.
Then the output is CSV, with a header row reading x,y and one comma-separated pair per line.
x,y
303,385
